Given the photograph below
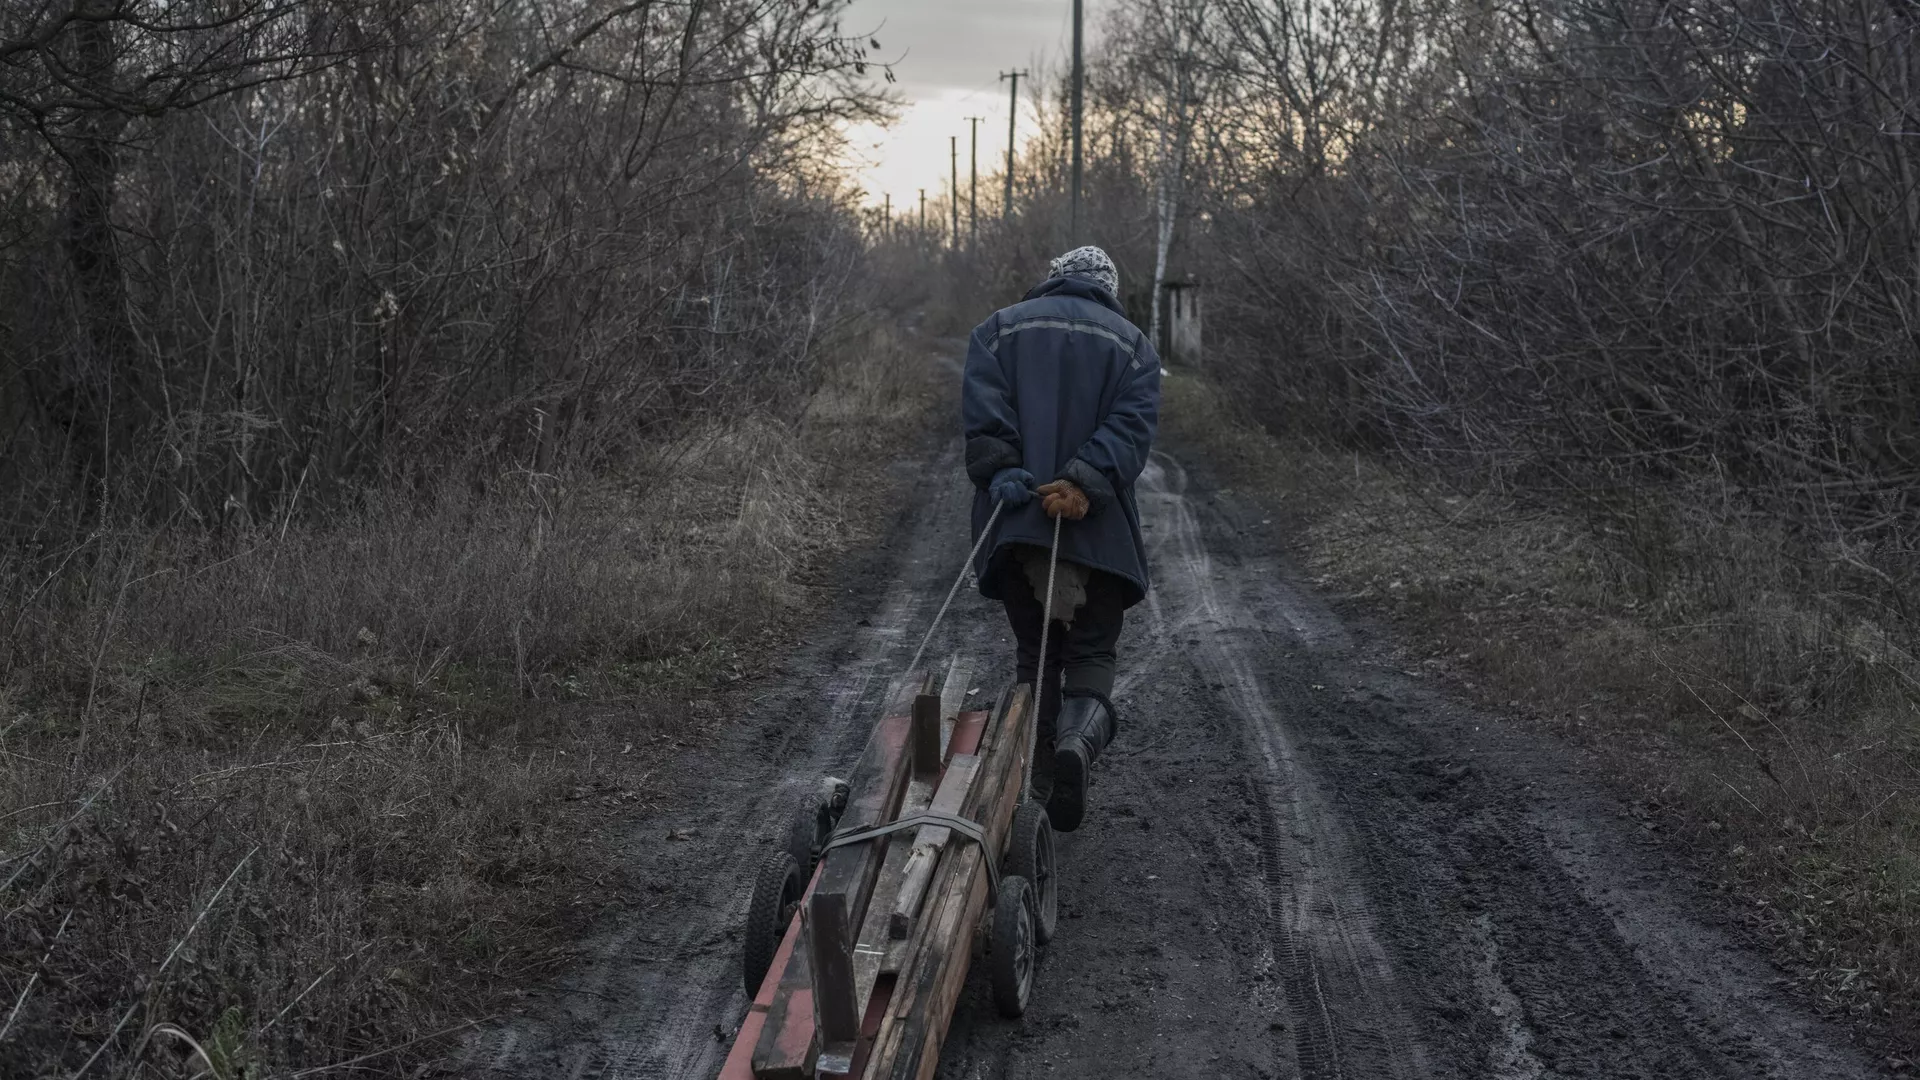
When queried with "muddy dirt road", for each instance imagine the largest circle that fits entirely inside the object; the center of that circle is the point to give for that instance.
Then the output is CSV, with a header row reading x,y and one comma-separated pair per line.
x,y
1300,860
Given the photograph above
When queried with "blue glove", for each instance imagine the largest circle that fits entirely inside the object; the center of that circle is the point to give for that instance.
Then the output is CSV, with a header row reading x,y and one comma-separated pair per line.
x,y
1012,486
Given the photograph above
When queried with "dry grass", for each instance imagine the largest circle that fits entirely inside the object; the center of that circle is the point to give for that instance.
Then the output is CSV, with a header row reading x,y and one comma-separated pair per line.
x,y
332,787
1749,687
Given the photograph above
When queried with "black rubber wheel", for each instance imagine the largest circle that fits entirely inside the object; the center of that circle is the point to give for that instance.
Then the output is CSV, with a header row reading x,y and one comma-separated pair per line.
x,y
808,828
776,898
1013,950
1030,855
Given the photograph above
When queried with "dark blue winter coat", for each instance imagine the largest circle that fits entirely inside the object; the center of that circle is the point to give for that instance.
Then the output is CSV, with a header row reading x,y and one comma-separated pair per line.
x,y
1062,385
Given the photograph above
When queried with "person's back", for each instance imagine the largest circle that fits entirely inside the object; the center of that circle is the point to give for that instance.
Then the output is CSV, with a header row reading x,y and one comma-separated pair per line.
x,y
1062,386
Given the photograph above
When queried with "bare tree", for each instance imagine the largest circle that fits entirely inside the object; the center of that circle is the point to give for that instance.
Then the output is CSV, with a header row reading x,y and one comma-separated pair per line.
x,y
302,243
1169,78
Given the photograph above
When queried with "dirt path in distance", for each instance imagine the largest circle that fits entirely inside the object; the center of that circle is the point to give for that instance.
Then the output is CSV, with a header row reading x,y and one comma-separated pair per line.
x,y
1300,860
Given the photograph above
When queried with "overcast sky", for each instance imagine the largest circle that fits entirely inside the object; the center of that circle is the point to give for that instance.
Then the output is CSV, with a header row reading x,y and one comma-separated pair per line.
x,y
949,57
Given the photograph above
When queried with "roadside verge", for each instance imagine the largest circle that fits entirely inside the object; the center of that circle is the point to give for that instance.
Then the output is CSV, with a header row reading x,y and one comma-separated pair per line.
x,y
340,789
1794,797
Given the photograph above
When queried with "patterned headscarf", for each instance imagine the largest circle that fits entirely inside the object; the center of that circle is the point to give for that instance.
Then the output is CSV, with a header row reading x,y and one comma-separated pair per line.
x,y
1088,263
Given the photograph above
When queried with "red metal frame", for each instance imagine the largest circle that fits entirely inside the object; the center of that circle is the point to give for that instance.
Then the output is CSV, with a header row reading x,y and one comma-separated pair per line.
x,y
968,728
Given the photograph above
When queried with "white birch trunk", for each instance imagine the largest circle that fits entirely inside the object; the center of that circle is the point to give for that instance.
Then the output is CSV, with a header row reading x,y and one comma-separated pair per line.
x,y
1166,197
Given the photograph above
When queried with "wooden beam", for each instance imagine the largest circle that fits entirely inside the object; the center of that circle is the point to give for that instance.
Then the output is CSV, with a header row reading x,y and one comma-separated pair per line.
x,y
785,1048
969,728
907,1044
903,1028
953,698
876,954
789,1041
847,879
847,876
830,937
870,950
928,842
739,1063
926,736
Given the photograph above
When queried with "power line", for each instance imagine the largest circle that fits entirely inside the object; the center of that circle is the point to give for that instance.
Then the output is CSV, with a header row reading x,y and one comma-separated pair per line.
x,y
1074,237
1013,114
973,184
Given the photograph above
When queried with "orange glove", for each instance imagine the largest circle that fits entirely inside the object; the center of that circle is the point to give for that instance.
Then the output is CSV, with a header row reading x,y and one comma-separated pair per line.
x,y
1062,499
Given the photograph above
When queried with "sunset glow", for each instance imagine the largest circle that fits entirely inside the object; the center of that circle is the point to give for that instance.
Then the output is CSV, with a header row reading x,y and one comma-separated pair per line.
x,y
947,58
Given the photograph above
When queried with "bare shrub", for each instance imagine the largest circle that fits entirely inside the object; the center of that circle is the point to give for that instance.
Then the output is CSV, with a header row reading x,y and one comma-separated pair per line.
x,y
370,751
424,237
375,381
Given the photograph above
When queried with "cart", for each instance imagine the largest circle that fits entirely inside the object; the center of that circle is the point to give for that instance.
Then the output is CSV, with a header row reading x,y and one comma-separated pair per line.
x,y
862,924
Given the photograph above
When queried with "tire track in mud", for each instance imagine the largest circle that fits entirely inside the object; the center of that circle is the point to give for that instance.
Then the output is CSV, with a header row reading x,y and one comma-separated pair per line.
x,y
1320,927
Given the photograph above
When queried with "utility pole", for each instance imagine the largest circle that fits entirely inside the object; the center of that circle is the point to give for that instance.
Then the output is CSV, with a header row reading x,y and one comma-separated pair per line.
x,y
953,142
923,215
1078,78
1013,113
973,184
887,231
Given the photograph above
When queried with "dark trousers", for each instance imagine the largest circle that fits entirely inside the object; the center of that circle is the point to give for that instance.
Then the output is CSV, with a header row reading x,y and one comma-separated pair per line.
x,y
1080,656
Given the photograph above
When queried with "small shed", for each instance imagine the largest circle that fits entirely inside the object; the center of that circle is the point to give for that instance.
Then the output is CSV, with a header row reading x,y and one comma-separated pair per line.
x,y
1182,344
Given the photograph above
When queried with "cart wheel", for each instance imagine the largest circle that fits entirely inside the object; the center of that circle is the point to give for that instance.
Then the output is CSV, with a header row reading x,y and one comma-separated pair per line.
x,y
807,831
1013,948
1031,857
776,896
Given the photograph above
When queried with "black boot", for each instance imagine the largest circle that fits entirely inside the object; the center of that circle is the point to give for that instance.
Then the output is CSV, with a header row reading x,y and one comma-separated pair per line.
x,y
1086,727
1041,768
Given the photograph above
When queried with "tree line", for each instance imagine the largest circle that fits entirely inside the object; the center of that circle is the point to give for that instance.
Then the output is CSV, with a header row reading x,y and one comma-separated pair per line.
x,y
1605,252
261,251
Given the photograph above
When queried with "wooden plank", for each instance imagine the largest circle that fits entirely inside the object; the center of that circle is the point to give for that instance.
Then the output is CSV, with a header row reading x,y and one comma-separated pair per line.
x,y
929,841
739,1063
939,973
788,1043
876,956
907,1045
967,891
869,1027
926,736
830,937
847,877
968,729
785,1049
904,688
953,698
870,952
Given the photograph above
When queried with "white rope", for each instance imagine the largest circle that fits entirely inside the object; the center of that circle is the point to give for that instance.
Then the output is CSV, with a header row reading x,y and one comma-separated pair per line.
x,y
1046,625
1040,670
951,593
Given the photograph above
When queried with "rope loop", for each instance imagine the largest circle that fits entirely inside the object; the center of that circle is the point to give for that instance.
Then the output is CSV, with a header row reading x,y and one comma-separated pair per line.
x,y
961,826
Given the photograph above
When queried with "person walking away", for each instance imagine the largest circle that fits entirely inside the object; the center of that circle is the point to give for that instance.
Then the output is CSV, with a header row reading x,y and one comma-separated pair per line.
x,y
1061,390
